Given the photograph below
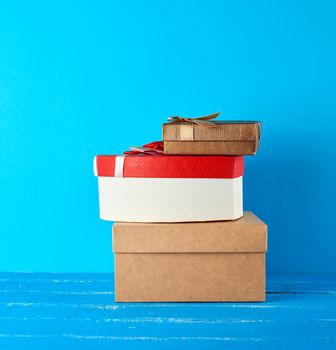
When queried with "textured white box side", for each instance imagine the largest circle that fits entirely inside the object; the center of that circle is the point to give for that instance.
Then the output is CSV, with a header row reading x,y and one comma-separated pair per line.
x,y
170,199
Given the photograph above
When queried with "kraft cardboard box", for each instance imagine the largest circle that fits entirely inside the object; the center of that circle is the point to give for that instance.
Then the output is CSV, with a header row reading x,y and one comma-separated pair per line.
x,y
190,262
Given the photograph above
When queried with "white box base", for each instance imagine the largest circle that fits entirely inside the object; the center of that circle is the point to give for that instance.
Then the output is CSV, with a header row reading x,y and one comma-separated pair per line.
x,y
170,199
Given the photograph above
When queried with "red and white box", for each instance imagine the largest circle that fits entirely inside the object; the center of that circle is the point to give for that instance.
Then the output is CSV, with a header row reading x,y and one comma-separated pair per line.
x,y
161,188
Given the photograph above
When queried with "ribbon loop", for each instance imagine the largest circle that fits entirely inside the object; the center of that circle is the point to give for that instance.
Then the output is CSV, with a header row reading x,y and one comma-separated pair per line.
x,y
153,148
205,120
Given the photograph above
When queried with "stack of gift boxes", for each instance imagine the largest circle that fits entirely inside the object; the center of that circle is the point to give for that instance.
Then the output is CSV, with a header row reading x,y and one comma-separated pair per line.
x,y
179,232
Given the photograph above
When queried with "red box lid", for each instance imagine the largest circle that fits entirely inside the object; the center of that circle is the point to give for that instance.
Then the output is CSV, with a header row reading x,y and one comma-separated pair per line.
x,y
163,166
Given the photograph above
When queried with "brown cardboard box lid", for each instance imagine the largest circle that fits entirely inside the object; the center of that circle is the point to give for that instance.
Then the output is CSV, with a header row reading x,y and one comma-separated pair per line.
x,y
247,234
225,130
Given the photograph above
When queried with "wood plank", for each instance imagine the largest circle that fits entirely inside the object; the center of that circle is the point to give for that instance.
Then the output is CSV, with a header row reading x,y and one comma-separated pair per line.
x,y
302,283
77,311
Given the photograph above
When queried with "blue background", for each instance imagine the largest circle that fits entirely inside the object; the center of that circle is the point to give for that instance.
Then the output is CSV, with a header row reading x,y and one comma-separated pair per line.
x,y
89,77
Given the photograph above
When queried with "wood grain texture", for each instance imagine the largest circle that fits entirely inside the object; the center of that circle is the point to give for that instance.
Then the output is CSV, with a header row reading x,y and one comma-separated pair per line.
x,y
233,148
223,131
77,311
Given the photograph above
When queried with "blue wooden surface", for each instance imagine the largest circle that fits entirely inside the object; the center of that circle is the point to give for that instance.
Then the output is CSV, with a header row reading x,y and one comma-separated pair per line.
x,y
77,311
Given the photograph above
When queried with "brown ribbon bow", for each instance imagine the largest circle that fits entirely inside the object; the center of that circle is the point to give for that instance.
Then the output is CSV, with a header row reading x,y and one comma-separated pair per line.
x,y
199,121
